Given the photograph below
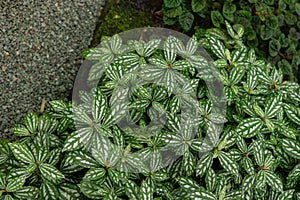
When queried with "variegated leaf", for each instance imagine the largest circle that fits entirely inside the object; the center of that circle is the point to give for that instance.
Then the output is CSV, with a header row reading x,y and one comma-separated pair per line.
x,y
273,105
147,189
227,163
291,147
292,113
50,173
217,47
22,152
48,191
273,181
249,127
169,50
204,164
15,184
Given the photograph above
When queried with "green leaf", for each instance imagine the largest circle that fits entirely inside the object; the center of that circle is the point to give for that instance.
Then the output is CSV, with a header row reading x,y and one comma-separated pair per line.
x,y
17,172
80,116
198,5
227,162
272,22
273,181
290,19
258,110
50,173
94,174
15,184
248,182
292,113
210,179
54,156
293,176
151,47
99,106
291,147
248,165
168,20
204,164
26,192
85,159
140,104
31,122
42,154
297,6
146,189
216,33
188,184
239,55
132,190
229,7
274,47
188,163
20,131
216,18
273,105
97,70
75,140
7,197
68,191
22,152
230,29
194,191
172,3
48,191
93,190
217,47
3,180
173,122
236,74
249,127
186,21
258,150
265,32
286,195
270,125
260,180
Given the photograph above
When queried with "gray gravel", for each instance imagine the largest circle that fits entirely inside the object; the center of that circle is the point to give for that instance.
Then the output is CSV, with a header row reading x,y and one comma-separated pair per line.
x,y
40,46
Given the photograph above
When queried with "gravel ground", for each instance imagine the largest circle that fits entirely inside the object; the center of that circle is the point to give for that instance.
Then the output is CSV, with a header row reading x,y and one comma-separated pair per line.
x,y
40,46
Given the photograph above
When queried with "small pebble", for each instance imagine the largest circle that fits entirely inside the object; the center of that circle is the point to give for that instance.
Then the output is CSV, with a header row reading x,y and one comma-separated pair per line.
x,y
40,46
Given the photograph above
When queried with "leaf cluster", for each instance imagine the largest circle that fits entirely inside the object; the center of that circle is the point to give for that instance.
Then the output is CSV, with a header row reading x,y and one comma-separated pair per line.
x,y
271,27
80,151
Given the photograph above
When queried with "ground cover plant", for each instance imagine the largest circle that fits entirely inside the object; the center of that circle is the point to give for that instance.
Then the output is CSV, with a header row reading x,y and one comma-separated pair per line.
x,y
249,151
271,27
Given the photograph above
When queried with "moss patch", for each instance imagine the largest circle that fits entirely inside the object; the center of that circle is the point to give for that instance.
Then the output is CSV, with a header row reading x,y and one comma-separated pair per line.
x,y
121,17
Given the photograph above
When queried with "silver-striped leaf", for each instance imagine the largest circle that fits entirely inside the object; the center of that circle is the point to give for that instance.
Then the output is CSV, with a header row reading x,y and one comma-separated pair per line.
x,y
249,127
31,122
50,172
204,164
94,174
273,180
227,163
22,152
68,191
48,191
292,113
217,47
291,147
147,189
15,184
273,105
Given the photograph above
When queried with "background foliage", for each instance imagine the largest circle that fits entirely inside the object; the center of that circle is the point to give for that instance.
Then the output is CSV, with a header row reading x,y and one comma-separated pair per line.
x,y
271,26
